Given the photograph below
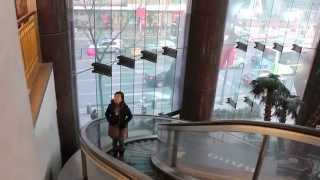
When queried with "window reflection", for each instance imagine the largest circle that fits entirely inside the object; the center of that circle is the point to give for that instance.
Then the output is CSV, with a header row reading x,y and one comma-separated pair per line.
x,y
285,22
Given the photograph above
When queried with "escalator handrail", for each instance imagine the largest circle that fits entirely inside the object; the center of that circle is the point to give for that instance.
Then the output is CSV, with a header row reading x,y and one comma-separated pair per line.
x,y
293,132
101,158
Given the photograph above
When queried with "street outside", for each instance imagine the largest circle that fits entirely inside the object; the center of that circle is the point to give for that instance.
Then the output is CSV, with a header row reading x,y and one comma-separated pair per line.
x,y
147,98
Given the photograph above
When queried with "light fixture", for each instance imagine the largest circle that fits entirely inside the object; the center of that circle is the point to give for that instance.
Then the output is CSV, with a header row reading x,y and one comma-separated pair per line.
x,y
169,52
278,47
150,56
242,46
127,62
296,48
102,69
232,102
260,46
248,101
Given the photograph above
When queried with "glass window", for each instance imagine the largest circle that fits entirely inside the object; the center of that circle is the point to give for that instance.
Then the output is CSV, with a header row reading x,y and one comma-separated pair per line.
x,y
285,22
105,29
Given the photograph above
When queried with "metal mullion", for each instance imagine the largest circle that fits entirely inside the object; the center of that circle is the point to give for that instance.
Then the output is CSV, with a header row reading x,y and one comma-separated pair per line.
x,y
155,64
144,46
120,42
111,27
175,63
134,48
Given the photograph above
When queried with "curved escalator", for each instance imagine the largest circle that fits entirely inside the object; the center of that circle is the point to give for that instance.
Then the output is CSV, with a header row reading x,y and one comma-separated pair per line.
x,y
164,148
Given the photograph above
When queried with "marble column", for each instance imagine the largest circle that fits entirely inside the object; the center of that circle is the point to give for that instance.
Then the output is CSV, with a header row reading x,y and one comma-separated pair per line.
x,y
202,67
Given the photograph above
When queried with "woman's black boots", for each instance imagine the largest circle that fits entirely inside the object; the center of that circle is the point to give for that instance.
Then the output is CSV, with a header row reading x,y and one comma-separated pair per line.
x,y
118,150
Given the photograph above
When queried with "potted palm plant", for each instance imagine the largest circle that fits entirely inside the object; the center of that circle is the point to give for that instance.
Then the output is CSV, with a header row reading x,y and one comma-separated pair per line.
x,y
315,118
269,89
275,95
287,106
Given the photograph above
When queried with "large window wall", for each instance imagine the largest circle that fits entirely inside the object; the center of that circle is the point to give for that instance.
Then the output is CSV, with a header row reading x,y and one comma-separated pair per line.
x,y
105,29
285,22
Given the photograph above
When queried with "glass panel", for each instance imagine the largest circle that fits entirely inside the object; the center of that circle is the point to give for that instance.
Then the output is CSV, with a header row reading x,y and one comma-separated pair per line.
x,y
227,155
312,33
303,70
285,22
127,43
138,126
151,44
298,21
286,159
139,104
106,29
105,45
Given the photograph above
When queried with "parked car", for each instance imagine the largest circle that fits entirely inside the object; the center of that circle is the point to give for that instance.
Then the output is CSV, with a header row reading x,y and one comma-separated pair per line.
x,y
106,45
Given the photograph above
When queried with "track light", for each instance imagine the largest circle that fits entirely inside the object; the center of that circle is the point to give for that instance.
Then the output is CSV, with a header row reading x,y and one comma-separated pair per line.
x,y
150,56
169,52
102,69
127,62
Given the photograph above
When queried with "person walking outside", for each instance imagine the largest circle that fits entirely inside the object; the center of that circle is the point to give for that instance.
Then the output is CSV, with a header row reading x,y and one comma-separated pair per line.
x,y
118,115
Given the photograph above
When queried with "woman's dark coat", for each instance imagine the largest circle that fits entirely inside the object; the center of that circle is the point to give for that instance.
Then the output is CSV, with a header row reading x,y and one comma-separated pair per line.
x,y
118,127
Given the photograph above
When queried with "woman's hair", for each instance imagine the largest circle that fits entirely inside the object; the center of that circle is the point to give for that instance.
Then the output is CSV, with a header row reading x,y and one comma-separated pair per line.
x,y
121,94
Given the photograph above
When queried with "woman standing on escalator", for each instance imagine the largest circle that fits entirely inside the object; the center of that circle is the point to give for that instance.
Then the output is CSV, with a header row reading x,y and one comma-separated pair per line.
x,y
118,115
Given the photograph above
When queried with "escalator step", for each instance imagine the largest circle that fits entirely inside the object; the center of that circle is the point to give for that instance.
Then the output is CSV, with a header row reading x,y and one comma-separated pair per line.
x,y
138,155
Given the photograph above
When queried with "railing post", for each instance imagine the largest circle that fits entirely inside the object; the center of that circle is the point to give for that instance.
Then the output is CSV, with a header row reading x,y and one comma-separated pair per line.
x,y
260,157
174,152
99,135
154,126
84,166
